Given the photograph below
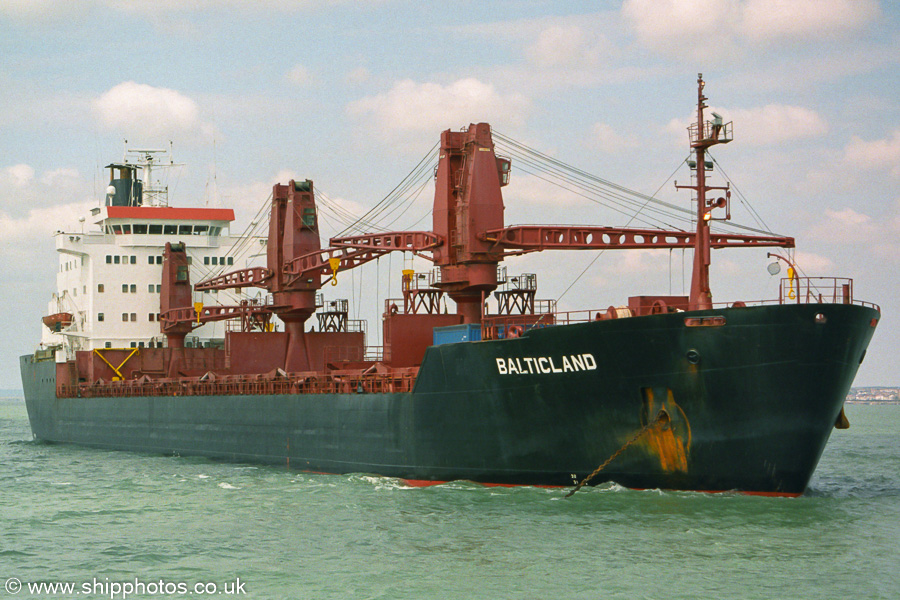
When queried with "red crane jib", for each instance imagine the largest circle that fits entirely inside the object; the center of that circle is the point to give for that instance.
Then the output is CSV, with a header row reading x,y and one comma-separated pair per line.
x,y
468,240
352,251
252,277
210,314
534,238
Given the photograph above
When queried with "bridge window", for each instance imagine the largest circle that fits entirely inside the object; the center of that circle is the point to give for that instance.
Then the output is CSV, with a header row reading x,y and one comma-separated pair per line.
x,y
155,229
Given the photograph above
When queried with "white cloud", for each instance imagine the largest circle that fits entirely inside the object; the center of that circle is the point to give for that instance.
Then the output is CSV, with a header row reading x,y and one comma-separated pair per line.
x,y
43,10
560,51
299,76
719,29
432,107
608,140
767,125
17,175
39,10
567,45
23,191
252,201
526,192
136,109
359,75
22,236
768,20
876,155
804,71
629,262
813,265
877,237
778,123
845,226
690,28
248,198
61,177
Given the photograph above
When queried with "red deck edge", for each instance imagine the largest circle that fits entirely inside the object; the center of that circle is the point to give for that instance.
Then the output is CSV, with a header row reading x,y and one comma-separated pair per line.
x,y
165,212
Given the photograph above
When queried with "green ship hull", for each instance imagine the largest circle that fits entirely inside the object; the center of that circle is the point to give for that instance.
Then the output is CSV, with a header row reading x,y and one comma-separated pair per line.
x,y
749,397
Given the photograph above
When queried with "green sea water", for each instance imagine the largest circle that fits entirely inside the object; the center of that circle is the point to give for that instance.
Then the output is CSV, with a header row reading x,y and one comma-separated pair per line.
x,y
110,522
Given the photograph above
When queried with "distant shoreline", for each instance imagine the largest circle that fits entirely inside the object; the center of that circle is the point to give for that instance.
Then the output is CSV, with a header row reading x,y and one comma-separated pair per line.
x,y
875,402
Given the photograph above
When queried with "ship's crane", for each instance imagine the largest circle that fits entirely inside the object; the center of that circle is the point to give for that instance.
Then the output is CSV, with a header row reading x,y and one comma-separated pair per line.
x,y
467,242
178,316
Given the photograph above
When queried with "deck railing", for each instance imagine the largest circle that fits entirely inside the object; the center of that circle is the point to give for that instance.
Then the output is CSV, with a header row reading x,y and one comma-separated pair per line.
x,y
355,383
803,290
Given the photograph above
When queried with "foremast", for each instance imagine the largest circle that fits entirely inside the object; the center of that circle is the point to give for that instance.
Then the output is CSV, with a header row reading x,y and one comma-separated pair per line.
x,y
703,135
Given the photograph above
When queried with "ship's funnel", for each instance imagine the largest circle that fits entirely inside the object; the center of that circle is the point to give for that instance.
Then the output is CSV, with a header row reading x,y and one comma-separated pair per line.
x,y
125,189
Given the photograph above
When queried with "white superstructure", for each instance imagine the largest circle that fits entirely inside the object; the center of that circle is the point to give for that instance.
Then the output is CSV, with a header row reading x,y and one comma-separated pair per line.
x,y
109,279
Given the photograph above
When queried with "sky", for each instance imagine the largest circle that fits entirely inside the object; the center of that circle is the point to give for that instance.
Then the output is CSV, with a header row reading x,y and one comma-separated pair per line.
x,y
352,94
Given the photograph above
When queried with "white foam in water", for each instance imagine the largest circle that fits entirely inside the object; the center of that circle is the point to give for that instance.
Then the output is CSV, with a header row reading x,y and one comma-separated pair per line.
x,y
228,486
385,483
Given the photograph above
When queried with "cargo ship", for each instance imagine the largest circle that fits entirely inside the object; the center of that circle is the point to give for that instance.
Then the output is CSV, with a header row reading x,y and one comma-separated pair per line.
x,y
668,392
